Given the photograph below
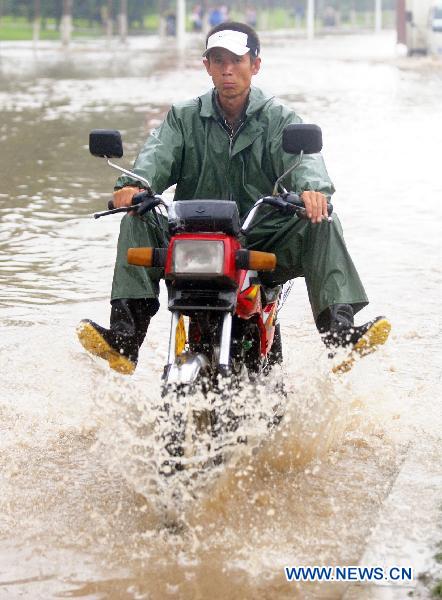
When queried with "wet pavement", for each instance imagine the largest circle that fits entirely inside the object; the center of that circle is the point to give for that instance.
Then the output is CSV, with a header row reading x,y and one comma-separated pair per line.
x,y
353,475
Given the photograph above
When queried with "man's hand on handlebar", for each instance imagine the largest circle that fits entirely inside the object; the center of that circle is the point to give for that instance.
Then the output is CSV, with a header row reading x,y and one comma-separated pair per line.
x,y
124,196
315,206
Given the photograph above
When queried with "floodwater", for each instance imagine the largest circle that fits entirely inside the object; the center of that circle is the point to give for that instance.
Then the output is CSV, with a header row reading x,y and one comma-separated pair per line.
x,y
353,476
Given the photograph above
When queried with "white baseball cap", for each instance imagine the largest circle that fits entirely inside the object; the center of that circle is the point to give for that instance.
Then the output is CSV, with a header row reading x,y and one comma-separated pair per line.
x,y
234,41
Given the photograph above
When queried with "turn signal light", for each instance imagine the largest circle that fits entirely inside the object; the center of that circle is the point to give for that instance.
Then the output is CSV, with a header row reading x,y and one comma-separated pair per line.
x,y
255,260
262,261
142,257
147,257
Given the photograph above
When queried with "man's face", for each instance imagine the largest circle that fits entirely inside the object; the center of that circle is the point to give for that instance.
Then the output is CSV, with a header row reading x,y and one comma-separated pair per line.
x,y
231,74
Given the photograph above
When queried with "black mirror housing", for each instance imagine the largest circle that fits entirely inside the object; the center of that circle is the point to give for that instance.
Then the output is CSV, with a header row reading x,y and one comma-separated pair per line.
x,y
106,143
302,137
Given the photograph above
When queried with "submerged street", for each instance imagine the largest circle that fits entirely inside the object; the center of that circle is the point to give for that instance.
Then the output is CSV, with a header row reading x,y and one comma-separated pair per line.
x,y
352,476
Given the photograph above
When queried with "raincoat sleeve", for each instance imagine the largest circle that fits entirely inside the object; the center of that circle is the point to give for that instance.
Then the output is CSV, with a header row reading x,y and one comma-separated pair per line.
x,y
311,173
159,161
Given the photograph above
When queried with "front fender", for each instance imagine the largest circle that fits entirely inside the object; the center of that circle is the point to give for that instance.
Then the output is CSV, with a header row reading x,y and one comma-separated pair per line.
x,y
186,369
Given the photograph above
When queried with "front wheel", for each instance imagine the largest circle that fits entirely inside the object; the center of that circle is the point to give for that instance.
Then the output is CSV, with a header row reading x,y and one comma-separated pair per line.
x,y
184,428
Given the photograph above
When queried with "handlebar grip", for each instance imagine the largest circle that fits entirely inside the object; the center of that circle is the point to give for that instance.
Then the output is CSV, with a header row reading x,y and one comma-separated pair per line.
x,y
295,201
140,197
136,199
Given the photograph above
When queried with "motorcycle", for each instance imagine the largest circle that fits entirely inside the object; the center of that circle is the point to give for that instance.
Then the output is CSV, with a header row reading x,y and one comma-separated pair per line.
x,y
232,332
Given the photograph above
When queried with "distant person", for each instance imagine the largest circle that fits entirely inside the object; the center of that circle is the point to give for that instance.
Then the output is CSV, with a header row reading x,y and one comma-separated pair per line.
x,y
197,17
215,17
227,144
171,24
225,12
251,16
329,18
299,16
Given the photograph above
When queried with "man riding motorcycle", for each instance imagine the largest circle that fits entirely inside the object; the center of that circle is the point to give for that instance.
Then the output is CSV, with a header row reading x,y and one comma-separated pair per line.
x,y
226,144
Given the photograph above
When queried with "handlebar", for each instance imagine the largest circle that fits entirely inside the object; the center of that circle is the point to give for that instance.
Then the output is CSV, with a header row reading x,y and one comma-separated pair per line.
x,y
291,203
141,204
288,203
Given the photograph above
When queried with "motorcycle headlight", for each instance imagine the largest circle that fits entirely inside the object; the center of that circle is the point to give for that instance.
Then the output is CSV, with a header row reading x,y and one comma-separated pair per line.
x,y
198,257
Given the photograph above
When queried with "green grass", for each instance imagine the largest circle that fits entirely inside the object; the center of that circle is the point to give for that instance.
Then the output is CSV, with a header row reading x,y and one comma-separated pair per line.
x,y
152,22
436,592
17,29
21,29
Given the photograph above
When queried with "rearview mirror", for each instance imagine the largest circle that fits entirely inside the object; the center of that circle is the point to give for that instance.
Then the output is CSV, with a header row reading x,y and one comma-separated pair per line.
x,y
302,137
106,143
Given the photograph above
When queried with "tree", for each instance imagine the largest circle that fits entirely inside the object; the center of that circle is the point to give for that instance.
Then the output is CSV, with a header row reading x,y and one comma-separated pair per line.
x,y
37,18
122,20
66,22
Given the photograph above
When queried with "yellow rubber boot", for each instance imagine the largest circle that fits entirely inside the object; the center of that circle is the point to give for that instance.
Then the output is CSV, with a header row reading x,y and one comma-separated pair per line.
x,y
376,335
93,341
119,345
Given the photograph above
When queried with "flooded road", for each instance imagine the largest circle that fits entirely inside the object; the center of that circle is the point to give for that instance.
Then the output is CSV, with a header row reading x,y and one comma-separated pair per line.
x,y
354,474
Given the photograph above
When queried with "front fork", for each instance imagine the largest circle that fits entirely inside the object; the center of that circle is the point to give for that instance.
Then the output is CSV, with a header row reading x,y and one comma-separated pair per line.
x,y
224,350
224,346
171,355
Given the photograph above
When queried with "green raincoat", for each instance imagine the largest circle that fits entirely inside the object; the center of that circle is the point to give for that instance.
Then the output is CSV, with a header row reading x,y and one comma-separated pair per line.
x,y
192,149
